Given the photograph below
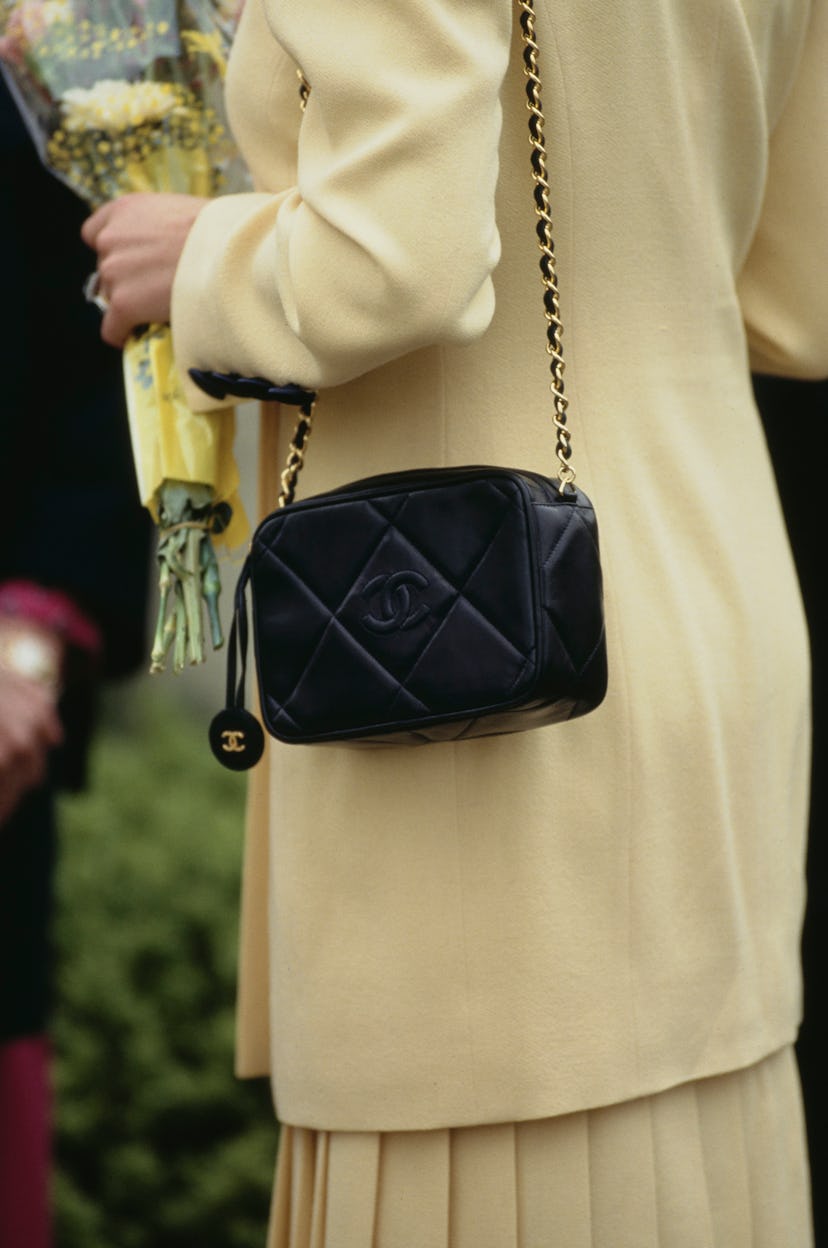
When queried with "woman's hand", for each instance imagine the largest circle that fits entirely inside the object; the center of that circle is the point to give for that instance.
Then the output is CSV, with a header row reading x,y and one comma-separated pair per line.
x,y
29,730
139,239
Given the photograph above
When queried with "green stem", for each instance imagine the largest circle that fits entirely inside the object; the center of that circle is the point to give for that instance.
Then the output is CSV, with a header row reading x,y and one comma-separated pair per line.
x,y
211,589
179,619
191,593
161,640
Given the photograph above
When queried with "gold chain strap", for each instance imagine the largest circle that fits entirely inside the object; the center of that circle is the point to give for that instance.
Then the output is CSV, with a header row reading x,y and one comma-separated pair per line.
x,y
304,423
548,268
549,274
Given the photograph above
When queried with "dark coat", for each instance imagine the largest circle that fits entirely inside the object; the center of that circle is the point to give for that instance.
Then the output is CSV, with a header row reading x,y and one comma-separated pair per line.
x,y
71,518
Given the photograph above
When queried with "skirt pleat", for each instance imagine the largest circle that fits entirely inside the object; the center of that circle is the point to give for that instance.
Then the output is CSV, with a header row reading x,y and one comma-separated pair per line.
x,y
319,1211
728,1165
553,1181
719,1163
622,1175
415,1169
483,1197
302,1187
679,1150
351,1192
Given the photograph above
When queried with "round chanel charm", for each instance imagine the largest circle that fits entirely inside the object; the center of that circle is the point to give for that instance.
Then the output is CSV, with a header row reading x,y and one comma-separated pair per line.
x,y
236,739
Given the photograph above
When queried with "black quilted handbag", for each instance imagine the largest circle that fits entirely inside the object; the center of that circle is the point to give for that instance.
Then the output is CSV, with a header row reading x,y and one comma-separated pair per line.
x,y
429,605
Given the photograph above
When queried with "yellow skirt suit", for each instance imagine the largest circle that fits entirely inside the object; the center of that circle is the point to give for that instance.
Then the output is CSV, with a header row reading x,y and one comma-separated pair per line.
x,y
540,989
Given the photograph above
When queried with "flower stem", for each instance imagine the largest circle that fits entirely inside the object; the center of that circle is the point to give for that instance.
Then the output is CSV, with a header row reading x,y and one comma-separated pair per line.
x,y
210,590
190,587
188,573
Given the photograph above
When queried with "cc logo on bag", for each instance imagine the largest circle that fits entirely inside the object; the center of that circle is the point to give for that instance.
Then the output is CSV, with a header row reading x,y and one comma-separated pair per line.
x,y
391,600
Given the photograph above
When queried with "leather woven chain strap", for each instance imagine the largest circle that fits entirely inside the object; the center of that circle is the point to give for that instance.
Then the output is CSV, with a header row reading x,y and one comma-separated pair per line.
x,y
549,275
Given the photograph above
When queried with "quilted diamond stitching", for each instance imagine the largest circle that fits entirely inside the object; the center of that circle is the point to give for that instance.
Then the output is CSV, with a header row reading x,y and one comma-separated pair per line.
x,y
526,656
509,501
575,514
402,687
332,621
461,596
388,524
266,551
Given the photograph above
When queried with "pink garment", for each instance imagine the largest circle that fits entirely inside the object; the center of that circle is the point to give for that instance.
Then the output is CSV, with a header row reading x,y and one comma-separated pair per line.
x,y
25,1144
53,610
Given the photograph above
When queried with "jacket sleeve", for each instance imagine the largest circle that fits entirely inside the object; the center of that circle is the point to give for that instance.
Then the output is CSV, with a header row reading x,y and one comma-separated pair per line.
x,y
387,242
783,286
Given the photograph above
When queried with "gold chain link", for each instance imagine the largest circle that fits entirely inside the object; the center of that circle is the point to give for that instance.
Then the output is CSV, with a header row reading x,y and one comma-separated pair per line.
x,y
549,274
296,455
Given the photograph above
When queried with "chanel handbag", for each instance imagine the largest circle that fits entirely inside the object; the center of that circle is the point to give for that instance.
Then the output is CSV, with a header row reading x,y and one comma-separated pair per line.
x,y
428,605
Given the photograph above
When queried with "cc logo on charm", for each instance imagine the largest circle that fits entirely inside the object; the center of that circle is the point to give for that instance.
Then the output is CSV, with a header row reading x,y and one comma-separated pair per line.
x,y
393,602
232,741
236,738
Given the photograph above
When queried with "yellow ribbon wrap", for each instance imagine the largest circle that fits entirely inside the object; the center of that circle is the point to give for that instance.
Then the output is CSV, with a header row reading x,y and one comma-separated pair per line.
x,y
170,441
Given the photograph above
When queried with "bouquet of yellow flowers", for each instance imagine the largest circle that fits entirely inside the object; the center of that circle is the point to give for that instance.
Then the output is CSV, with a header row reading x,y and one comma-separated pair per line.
x,y
121,97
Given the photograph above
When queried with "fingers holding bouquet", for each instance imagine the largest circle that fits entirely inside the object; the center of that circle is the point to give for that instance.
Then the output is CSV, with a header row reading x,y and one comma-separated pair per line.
x,y
138,239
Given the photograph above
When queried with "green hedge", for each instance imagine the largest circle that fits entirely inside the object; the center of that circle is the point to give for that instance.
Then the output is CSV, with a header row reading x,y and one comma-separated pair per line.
x,y
157,1143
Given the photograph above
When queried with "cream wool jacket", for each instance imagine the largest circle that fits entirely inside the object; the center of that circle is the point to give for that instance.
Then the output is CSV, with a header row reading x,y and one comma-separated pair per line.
x,y
523,926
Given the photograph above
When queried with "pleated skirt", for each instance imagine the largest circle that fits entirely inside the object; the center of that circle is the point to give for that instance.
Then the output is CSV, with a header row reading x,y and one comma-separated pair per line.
x,y
719,1163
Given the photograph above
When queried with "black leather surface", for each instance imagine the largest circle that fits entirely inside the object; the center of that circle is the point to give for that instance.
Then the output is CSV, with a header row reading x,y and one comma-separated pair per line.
x,y
426,606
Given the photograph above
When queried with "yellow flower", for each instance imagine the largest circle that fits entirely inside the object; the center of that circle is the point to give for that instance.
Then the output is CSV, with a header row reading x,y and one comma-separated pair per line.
x,y
211,45
115,105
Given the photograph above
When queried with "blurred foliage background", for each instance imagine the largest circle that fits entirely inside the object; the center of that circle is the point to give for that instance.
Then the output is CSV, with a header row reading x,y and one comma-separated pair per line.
x,y
157,1144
